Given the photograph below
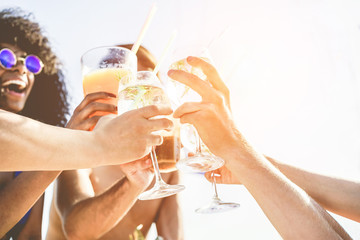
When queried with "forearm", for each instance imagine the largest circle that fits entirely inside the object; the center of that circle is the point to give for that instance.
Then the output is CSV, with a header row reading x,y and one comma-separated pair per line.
x,y
32,229
291,211
94,217
26,144
20,195
337,195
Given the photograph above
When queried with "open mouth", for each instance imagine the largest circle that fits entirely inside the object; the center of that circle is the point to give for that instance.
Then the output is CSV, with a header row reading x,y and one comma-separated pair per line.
x,y
15,86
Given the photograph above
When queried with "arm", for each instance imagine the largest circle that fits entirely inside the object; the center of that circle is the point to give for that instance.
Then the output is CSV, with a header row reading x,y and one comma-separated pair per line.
x,y
291,211
45,147
32,229
20,195
337,195
169,220
86,216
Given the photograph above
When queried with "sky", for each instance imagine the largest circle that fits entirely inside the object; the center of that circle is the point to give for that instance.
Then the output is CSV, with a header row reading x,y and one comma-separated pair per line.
x,y
292,67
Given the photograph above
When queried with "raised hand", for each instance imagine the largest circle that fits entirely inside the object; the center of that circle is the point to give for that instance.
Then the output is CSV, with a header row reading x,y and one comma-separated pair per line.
x,y
211,117
83,118
131,135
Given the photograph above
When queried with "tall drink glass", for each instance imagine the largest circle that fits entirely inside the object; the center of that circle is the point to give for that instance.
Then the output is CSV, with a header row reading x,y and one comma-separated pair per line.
x,y
104,68
147,90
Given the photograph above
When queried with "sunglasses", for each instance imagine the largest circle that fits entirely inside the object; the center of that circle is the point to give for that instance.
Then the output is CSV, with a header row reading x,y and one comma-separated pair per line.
x,y
8,60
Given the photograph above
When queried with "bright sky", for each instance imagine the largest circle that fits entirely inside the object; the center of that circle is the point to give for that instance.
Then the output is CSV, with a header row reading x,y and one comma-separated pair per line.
x,y
293,67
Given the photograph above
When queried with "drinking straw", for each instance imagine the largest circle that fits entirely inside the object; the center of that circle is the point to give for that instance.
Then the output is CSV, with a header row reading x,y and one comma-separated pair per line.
x,y
152,11
165,51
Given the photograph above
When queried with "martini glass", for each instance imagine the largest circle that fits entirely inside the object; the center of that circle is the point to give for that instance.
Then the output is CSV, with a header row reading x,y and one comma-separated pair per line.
x,y
202,160
216,205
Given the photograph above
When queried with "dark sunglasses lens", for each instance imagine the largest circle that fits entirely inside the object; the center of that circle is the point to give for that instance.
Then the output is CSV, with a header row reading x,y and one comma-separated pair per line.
x,y
33,64
7,58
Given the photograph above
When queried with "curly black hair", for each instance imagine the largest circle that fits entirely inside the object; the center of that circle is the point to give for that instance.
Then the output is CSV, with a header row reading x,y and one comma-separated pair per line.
x,y
48,100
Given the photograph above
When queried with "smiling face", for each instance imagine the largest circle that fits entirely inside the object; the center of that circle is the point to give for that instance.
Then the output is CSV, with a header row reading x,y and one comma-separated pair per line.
x,y
15,83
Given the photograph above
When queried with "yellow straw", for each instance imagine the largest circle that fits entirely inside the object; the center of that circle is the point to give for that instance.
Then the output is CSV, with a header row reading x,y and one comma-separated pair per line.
x,y
136,46
165,51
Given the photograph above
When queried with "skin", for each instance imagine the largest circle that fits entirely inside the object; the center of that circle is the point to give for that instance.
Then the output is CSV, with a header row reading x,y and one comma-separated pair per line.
x,y
293,213
101,203
338,195
18,195
9,100
40,150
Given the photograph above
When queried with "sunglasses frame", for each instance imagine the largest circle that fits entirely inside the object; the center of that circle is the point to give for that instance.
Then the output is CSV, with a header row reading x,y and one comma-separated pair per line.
x,y
23,60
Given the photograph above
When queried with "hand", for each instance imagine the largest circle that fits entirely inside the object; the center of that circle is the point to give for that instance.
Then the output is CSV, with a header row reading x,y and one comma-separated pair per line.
x,y
131,135
222,176
211,117
82,118
139,172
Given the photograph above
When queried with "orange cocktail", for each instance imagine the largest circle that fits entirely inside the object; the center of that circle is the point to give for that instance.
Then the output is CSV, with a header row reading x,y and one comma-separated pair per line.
x,y
105,80
105,68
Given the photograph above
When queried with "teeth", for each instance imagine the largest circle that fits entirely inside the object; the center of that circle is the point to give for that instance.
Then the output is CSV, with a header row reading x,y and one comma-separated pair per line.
x,y
21,85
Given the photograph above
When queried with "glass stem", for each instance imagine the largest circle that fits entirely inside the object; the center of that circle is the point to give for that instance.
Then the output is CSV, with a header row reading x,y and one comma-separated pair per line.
x,y
198,141
158,179
215,197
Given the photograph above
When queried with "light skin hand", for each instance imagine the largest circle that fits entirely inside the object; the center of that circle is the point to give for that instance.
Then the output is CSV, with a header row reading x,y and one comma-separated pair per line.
x,y
134,126
213,108
213,120
139,172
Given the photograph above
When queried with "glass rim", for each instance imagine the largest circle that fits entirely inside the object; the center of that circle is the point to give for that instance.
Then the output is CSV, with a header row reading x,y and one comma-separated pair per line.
x,y
106,47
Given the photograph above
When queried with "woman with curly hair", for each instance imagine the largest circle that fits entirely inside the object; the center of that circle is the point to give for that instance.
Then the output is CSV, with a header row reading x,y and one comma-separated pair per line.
x,y
32,85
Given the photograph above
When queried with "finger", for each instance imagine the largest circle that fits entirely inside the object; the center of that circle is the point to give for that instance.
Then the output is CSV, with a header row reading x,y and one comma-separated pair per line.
x,y
212,75
155,140
91,97
186,108
218,177
153,110
210,71
200,86
145,157
160,124
141,164
93,107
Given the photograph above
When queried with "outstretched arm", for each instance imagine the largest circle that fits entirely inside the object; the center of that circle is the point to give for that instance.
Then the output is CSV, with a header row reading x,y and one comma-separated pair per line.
x,y
26,144
86,216
291,211
337,195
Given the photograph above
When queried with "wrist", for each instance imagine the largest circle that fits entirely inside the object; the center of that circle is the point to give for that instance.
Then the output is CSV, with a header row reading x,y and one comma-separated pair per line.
x,y
97,155
136,187
243,159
